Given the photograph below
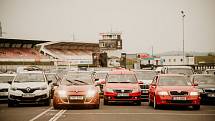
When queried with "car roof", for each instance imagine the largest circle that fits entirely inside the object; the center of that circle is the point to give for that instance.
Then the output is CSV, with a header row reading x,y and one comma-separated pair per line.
x,y
121,72
188,67
7,74
38,72
171,75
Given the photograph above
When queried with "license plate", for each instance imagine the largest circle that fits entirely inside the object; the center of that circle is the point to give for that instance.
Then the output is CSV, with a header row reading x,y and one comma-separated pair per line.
x,y
145,91
28,95
179,98
211,95
122,94
76,97
3,93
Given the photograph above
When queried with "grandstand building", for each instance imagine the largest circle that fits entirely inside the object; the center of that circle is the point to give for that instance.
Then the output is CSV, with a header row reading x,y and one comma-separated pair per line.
x,y
21,52
70,53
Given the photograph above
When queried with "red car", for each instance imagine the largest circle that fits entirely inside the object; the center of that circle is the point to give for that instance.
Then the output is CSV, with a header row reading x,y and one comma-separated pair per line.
x,y
173,89
122,86
76,88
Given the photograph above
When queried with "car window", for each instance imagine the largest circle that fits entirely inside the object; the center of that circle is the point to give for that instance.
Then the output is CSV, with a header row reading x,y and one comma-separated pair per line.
x,y
145,75
204,79
5,79
184,71
121,78
77,79
173,81
51,77
30,77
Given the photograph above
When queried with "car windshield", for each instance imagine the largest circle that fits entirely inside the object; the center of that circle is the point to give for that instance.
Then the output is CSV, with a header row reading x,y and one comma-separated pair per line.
x,y
121,78
173,81
29,77
101,75
51,77
5,79
205,79
145,75
185,71
77,79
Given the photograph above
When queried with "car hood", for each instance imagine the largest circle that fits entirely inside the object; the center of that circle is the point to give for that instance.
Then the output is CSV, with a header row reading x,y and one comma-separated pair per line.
x,y
4,85
148,82
29,84
175,88
81,88
122,85
206,86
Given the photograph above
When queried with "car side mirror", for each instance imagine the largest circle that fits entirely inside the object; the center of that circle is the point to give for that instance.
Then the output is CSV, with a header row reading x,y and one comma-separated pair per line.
x,y
195,84
10,82
96,79
55,84
49,81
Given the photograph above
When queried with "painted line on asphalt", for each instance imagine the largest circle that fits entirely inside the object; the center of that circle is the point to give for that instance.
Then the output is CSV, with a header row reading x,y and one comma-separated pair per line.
x,y
58,115
39,115
177,114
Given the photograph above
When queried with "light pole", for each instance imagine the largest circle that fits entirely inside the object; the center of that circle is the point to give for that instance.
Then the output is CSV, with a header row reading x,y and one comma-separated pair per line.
x,y
183,15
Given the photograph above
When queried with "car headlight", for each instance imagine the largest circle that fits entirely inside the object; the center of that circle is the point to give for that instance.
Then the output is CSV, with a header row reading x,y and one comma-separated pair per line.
x,y
62,93
13,88
43,88
109,90
91,93
162,93
200,90
194,93
135,90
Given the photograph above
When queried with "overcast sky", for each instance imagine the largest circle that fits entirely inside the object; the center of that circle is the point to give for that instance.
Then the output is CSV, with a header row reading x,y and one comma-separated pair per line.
x,y
143,23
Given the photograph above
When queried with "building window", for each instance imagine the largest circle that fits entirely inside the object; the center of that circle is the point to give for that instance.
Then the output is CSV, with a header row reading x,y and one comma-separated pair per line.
x,y
169,60
181,59
174,60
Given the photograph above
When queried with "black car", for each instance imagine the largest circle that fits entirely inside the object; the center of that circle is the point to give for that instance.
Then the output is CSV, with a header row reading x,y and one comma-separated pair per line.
x,y
206,86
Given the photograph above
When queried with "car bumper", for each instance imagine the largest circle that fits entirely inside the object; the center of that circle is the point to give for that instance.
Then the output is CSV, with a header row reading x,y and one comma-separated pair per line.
x,y
169,100
3,96
208,97
85,101
35,99
113,97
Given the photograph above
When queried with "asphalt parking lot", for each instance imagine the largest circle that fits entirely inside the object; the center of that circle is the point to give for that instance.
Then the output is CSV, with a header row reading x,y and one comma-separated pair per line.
x,y
114,112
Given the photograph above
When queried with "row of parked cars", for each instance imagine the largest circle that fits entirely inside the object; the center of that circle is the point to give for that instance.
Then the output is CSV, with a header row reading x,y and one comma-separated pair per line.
x,y
174,86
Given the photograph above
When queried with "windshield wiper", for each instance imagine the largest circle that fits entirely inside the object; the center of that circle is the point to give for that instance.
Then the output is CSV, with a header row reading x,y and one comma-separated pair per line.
x,y
125,82
113,82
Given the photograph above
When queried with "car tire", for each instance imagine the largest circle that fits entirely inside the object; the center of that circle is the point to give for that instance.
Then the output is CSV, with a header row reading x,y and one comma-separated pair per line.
x,y
47,102
105,101
96,106
196,107
11,103
155,106
149,101
138,102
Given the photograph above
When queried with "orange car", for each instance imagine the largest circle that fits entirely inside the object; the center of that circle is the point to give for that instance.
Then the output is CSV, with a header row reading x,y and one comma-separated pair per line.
x,y
76,88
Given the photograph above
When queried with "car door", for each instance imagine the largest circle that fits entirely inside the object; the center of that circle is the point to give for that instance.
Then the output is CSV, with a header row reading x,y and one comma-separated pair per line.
x,y
152,88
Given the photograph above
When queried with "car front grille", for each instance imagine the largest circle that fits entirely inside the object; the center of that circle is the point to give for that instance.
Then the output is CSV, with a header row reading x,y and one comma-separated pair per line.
x,y
125,97
179,101
210,90
144,86
178,92
3,90
26,91
122,91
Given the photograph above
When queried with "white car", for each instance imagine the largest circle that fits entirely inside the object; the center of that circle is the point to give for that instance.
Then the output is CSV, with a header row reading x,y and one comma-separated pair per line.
x,y
4,85
29,87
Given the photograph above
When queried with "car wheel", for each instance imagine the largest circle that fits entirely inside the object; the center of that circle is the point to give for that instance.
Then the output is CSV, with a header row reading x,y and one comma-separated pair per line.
x,y
96,106
149,101
138,102
196,107
11,103
105,101
47,102
155,106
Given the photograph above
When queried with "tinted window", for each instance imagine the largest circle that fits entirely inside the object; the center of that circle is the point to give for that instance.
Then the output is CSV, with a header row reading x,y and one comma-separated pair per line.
x,y
173,81
145,75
